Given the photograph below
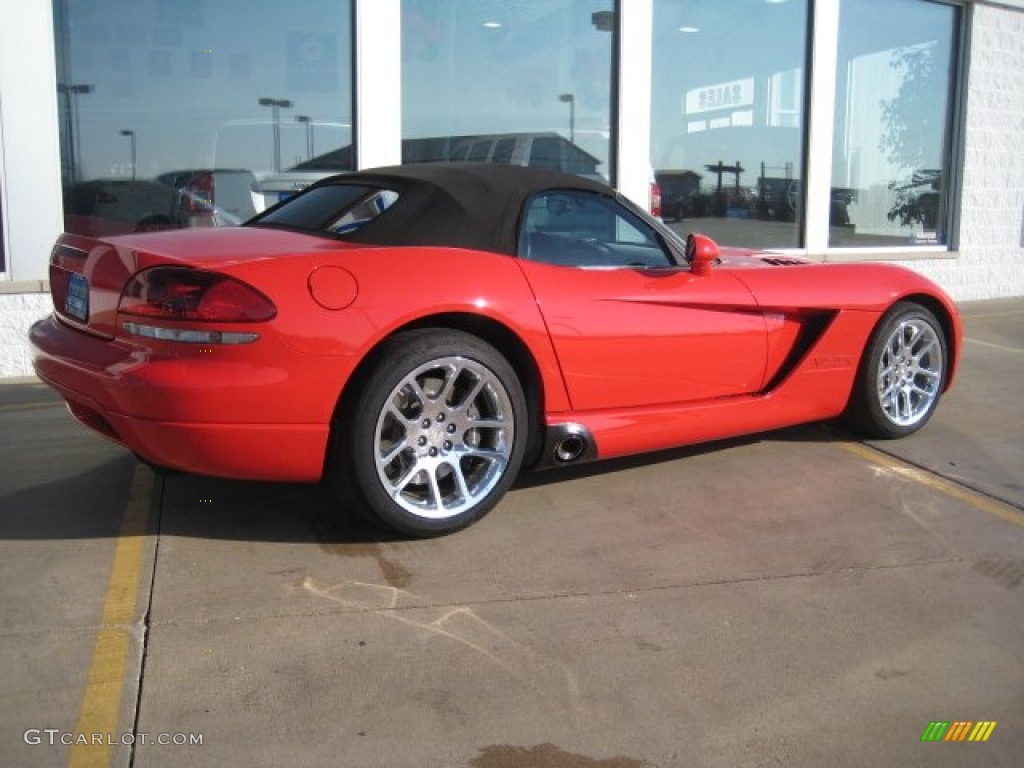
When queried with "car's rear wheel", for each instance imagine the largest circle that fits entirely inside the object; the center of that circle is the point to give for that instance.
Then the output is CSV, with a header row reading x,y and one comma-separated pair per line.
x,y
902,375
437,433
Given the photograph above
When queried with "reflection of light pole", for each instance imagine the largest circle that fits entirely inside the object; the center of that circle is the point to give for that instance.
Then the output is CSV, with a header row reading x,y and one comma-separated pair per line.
x,y
71,129
568,98
276,105
131,135
308,122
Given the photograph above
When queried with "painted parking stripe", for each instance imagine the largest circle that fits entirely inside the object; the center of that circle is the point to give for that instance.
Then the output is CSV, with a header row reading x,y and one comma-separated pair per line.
x,y
937,482
101,702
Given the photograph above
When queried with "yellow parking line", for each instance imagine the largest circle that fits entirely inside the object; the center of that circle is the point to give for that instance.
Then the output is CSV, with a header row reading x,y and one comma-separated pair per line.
x,y
936,482
101,704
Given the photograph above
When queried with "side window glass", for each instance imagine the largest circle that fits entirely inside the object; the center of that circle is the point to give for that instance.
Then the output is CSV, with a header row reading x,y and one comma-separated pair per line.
x,y
365,211
582,229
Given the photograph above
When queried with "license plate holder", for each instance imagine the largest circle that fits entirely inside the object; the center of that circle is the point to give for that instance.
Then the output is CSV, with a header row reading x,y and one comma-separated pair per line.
x,y
76,304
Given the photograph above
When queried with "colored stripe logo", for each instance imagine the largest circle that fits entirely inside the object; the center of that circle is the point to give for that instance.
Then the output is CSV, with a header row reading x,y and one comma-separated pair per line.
x,y
958,730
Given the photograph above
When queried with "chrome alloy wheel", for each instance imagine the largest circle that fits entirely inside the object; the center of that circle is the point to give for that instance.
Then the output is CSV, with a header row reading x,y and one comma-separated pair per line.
x,y
910,372
443,437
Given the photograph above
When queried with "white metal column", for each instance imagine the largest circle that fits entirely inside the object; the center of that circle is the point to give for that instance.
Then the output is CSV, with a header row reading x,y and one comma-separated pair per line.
x,y
378,77
633,146
30,142
821,115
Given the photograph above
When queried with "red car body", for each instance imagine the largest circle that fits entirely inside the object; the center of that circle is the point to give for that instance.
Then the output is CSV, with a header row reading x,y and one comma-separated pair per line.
x,y
640,359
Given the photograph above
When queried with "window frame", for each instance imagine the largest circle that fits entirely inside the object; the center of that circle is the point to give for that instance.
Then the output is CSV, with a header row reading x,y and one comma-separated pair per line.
x,y
824,44
818,121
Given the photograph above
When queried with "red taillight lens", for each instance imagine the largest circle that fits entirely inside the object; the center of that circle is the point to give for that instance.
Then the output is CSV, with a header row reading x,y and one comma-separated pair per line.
x,y
655,200
180,293
199,194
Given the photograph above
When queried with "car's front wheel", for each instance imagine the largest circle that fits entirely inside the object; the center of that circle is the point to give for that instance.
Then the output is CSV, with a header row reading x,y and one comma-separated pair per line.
x,y
437,433
902,376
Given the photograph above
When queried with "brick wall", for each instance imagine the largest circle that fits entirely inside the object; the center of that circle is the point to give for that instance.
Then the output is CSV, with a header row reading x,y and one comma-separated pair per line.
x,y
991,262
17,312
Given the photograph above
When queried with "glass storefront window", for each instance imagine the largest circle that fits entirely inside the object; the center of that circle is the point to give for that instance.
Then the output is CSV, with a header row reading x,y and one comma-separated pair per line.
x,y
501,82
727,117
891,147
177,113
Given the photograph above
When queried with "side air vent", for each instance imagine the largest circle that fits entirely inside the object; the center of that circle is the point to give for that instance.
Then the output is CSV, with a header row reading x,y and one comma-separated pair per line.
x,y
782,261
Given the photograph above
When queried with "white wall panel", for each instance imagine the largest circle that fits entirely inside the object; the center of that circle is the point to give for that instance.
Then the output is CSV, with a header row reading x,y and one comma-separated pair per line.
x,y
30,143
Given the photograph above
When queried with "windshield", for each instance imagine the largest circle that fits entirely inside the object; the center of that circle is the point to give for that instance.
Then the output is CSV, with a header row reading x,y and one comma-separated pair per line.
x,y
337,209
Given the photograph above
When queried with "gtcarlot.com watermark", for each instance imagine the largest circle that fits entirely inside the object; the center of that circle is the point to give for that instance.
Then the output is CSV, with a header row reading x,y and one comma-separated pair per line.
x,y
55,737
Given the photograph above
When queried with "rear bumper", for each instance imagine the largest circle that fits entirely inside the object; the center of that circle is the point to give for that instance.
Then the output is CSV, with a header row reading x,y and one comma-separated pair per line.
x,y
196,418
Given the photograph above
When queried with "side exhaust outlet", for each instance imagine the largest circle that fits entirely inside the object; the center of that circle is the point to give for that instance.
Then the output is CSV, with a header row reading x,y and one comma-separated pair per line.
x,y
567,444
570,448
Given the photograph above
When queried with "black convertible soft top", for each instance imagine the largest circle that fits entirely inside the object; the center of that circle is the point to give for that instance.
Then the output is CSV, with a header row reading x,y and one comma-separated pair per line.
x,y
461,205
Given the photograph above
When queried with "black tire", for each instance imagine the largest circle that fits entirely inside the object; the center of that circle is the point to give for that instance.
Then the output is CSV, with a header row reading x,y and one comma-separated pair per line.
x,y
436,434
902,375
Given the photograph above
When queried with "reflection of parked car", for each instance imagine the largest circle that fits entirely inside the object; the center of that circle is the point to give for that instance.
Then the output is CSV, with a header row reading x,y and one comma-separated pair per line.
x,y
780,199
274,189
212,198
190,198
679,191
116,206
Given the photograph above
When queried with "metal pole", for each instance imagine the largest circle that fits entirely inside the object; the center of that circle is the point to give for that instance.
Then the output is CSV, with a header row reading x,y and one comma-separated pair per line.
x,y
131,136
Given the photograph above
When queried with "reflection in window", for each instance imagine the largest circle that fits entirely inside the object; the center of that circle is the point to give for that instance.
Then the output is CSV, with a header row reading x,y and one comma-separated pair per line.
x,y
178,114
891,149
514,83
727,117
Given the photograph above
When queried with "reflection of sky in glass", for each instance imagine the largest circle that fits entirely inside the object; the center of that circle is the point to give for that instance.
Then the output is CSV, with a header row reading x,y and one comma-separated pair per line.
x,y
499,66
728,85
186,76
872,33
892,117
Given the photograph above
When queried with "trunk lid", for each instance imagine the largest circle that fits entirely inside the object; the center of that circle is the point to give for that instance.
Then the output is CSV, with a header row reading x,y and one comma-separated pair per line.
x,y
88,275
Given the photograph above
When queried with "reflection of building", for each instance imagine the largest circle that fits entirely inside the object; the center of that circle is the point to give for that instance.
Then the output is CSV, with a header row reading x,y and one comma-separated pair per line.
x,y
537,150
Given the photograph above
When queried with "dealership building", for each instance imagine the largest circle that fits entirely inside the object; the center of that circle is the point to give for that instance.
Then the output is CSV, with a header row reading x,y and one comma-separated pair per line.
x,y
842,130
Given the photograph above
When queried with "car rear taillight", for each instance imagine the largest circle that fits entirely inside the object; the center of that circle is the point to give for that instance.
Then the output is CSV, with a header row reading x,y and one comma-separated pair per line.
x,y
193,295
198,194
655,201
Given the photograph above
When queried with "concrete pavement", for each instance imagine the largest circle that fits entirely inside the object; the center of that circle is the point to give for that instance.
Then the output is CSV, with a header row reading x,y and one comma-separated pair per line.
x,y
796,598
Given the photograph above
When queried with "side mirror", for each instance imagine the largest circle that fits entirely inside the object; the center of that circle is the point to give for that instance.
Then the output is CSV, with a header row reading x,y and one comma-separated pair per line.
x,y
701,254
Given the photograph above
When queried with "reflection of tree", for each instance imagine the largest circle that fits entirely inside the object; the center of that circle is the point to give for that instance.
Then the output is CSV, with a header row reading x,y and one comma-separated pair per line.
x,y
917,200
908,120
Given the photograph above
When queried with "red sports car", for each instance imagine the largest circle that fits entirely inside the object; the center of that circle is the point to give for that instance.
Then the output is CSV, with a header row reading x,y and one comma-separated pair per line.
x,y
419,334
